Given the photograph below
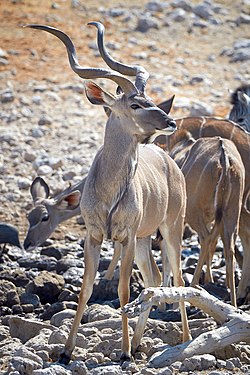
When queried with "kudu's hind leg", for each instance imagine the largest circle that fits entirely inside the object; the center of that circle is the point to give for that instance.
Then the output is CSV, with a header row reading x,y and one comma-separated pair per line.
x,y
151,277
244,233
114,261
173,237
128,253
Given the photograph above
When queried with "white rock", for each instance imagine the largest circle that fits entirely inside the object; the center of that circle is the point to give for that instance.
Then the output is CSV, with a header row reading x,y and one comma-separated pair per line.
x,y
78,368
58,318
58,337
24,183
44,170
201,109
25,329
25,361
52,370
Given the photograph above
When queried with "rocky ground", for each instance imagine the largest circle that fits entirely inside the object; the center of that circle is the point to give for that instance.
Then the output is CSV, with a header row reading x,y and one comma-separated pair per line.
x,y
197,51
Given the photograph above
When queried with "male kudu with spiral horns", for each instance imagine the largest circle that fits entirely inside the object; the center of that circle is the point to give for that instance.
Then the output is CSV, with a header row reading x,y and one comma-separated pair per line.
x,y
147,191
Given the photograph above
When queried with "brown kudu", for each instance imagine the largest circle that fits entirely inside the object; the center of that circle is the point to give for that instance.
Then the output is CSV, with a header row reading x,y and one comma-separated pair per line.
x,y
203,127
215,177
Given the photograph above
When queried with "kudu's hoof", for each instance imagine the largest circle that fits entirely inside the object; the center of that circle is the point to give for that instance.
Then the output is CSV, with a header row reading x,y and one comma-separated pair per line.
x,y
64,359
125,358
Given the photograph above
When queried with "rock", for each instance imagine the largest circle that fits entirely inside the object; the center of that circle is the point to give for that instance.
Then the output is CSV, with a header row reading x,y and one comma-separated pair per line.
x,y
3,61
25,329
106,370
203,11
53,252
183,4
155,6
3,53
53,370
37,133
29,298
166,371
45,120
58,337
241,55
78,368
25,358
44,170
24,183
201,109
7,96
8,294
146,23
115,12
243,19
74,276
41,262
178,15
66,263
47,286
58,318
52,310
199,363
18,277
100,312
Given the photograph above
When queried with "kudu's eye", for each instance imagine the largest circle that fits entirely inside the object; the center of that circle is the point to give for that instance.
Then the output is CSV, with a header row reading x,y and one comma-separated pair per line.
x,y
45,217
240,120
135,106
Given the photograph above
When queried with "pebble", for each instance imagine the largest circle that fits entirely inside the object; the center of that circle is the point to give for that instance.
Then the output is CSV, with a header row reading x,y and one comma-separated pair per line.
x,y
178,15
7,96
203,11
45,120
146,23
44,170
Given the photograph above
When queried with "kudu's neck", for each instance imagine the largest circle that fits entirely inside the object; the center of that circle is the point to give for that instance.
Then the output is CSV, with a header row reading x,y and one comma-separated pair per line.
x,y
119,157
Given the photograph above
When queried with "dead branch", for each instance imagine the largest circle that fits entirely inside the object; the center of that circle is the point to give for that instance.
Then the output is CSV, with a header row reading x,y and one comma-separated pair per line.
x,y
235,323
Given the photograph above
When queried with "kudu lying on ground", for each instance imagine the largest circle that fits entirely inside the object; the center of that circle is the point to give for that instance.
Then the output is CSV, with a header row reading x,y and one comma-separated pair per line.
x,y
147,190
203,127
215,177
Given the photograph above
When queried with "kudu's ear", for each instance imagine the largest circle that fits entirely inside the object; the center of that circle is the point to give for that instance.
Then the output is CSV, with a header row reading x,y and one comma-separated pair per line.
x,y
70,201
96,95
243,98
39,189
166,105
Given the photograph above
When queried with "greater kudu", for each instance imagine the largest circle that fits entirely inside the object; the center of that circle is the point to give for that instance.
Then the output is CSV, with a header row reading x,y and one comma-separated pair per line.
x,y
147,190
48,212
202,127
215,177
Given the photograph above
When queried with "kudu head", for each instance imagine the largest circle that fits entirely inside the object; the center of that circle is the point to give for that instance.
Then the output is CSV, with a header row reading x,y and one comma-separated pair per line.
x,y
240,112
47,212
147,121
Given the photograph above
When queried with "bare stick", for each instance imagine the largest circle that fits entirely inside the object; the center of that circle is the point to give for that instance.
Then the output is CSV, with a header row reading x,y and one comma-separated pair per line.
x,y
235,328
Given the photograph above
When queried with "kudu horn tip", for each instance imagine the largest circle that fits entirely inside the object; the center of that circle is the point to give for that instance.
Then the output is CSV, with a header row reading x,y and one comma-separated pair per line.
x,y
97,24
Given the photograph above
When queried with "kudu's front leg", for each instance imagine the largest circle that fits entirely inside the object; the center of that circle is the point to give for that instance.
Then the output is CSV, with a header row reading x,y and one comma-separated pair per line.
x,y
128,252
91,261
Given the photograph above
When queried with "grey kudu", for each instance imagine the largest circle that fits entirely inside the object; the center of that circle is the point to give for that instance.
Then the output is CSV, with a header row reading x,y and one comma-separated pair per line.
x,y
131,189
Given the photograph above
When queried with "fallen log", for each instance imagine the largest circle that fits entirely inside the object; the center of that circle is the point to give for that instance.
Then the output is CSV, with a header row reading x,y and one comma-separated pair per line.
x,y
233,323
